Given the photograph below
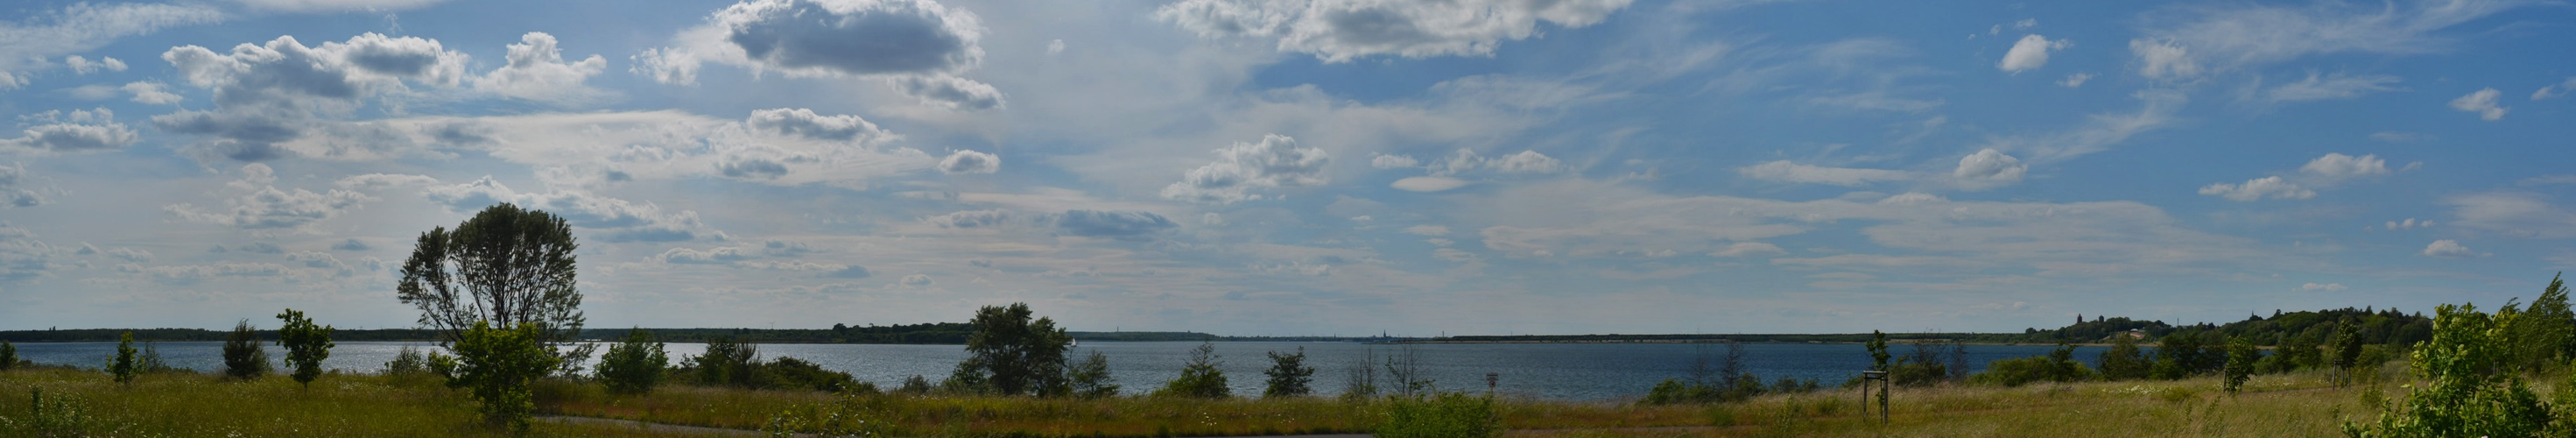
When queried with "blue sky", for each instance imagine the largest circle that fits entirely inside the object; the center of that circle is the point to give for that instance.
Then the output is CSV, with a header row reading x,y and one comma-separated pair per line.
x,y
1297,167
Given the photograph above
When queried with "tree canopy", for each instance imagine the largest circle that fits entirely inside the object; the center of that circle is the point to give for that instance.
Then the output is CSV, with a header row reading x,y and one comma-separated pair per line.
x,y
506,265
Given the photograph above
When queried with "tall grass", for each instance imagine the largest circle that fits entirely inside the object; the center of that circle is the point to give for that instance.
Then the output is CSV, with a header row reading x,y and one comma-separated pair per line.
x,y
89,403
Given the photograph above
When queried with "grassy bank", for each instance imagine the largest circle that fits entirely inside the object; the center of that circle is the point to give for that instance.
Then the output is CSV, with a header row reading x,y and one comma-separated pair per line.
x,y
185,404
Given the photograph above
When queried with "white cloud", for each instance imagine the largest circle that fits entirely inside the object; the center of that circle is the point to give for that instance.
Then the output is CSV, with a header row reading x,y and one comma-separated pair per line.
x,y
2031,53
84,66
16,187
967,161
2075,80
2448,249
2482,102
808,124
1055,47
1384,161
2271,186
2409,223
918,46
1428,230
537,71
2327,287
1121,224
40,35
319,6
2555,90
22,257
2163,59
716,256
2190,40
1527,162
1274,162
971,219
77,131
2337,86
916,280
618,219
2335,166
2514,214
1428,184
2099,132
375,181
1788,172
280,91
1343,30
1989,168
152,93
1741,249
263,206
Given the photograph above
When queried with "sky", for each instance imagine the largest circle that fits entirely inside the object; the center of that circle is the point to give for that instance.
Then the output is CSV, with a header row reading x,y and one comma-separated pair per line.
x,y
1297,167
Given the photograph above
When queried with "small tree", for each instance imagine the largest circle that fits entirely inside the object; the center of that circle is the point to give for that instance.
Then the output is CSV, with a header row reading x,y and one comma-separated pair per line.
x,y
498,364
1090,378
726,362
504,266
306,345
634,366
2468,389
1016,355
1201,378
123,365
2546,329
2241,356
2124,361
1288,375
407,362
245,356
2347,351
8,356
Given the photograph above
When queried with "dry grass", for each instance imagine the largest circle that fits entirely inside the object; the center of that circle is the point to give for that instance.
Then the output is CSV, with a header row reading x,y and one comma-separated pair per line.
x,y
201,405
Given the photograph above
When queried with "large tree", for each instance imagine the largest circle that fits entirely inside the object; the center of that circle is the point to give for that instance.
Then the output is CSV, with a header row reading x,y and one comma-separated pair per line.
x,y
1016,355
506,266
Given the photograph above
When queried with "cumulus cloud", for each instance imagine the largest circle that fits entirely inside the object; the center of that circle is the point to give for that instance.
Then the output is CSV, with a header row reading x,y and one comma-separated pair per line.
x,y
1274,162
78,131
2336,86
2516,214
2031,53
1789,172
17,188
1989,168
971,219
2335,166
2554,90
1428,184
39,35
2163,59
618,220
266,94
2326,287
2266,187
376,181
2409,223
264,207
967,161
2075,80
1344,30
85,66
1112,223
2448,249
2482,102
920,47
153,93
537,71
916,280
806,123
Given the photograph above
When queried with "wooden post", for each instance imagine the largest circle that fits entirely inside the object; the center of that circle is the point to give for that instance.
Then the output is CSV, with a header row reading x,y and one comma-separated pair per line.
x,y
1883,386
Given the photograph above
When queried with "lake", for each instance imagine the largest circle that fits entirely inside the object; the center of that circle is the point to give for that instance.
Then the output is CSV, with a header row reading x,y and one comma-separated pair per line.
x,y
1552,371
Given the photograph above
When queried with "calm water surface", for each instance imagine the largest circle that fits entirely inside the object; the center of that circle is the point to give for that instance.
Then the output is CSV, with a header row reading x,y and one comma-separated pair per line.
x,y
1553,371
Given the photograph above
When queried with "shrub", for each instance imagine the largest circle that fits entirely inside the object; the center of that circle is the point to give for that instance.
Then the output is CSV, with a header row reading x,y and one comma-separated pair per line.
x,y
2469,388
2124,361
245,356
2058,366
306,345
123,365
151,362
498,364
1090,378
1015,355
846,417
634,366
1443,414
793,373
2241,356
1201,378
57,416
407,362
917,385
1288,375
726,362
8,356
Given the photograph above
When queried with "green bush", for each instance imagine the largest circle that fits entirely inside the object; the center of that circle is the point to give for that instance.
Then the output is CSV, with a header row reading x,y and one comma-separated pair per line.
x,y
847,417
407,362
2058,366
1288,375
1201,378
1443,415
2241,356
726,362
2124,361
306,345
8,356
1090,378
634,366
2469,388
793,373
123,365
498,364
245,356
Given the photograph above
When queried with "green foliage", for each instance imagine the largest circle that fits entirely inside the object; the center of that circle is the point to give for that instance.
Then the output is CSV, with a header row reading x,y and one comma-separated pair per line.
x,y
2124,361
2546,330
736,364
634,366
1091,379
123,365
966,378
58,416
844,417
2468,387
8,356
1200,378
1878,351
726,362
1016,355
1441,415
2058,366
2241,356
1288,375
916,385
506,266
407,362
793,373
2347,351
151,362
306,345
245,356
2187,354
498,364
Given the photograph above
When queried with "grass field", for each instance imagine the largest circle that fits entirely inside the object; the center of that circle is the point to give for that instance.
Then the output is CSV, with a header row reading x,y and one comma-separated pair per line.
x,y
183,404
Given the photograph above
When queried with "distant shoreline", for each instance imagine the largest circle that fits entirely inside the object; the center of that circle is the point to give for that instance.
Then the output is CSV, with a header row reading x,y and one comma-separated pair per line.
x,y
940,334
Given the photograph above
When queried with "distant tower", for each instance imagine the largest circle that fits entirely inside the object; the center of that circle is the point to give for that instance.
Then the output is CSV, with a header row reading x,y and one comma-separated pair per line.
x,y
2079,318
